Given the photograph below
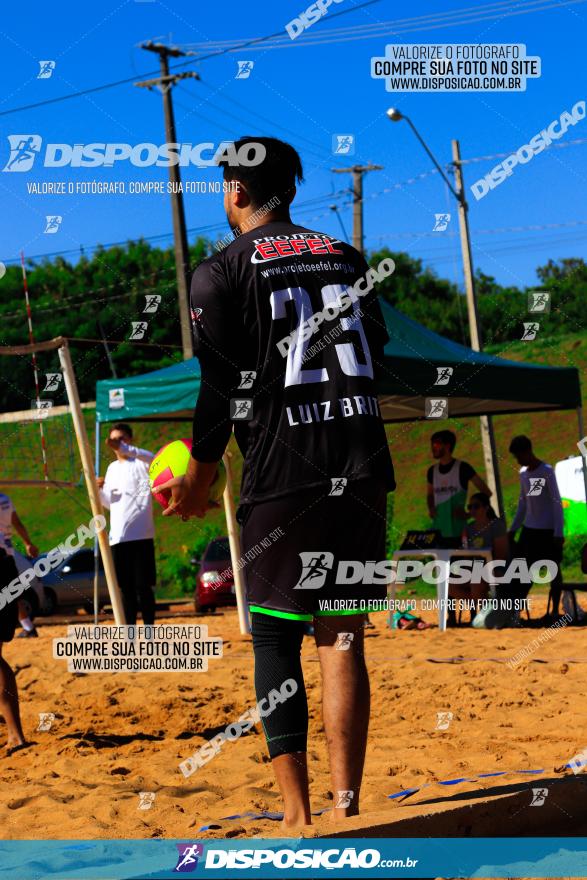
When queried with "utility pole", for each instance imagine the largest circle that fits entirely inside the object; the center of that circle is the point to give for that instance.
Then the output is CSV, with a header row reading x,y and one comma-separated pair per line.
x,y
182,263
357,171
487,435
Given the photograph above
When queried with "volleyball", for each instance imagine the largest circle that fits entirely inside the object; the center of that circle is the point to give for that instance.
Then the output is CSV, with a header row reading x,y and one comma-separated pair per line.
x,y
172,461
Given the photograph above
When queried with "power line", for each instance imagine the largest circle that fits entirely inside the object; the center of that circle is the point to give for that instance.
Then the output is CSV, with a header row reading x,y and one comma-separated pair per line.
x,y
131,79
574,143
505,245
272,122
503,229
247,122
397,27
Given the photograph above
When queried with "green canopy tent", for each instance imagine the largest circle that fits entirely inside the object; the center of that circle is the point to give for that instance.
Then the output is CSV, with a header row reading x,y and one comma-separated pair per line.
x,y
480,384
167,394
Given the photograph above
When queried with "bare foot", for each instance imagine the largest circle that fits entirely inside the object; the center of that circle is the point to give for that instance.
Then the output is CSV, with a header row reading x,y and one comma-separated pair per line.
x,y
296,820
15,744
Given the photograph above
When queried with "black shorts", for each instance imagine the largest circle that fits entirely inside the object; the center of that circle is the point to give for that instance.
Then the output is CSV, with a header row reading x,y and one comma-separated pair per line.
x,y
535,544
8,614
297,551
134,562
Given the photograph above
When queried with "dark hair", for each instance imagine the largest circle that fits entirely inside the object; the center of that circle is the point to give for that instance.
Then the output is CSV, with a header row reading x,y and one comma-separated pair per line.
x,y
483,499
447,437
121,426
276,175
521,443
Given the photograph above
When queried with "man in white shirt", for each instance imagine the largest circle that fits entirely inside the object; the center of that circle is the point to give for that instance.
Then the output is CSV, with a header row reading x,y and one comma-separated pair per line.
x,y
126,494
540,513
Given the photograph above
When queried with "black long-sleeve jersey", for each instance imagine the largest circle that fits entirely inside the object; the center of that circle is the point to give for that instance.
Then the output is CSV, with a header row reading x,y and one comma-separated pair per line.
x,y
304,410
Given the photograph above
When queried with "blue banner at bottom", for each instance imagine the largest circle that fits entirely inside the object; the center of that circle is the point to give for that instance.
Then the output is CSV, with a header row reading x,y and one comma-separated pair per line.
x,y
290,858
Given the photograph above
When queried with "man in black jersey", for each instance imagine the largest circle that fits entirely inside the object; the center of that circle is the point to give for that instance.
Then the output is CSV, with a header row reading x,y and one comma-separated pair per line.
x,y
294,374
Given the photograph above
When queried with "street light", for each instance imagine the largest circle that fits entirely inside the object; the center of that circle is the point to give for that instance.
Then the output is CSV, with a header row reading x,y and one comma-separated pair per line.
x,y
489,451
395,115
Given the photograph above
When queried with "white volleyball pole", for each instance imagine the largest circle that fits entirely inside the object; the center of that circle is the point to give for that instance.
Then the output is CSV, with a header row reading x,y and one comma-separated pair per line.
x,y
235,549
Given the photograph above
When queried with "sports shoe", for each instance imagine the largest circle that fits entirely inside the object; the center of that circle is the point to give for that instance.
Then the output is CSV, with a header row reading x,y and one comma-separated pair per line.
x,y
28,634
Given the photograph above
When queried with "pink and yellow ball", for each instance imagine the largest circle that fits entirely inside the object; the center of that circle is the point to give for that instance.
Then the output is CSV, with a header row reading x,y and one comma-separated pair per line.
x,y
172,461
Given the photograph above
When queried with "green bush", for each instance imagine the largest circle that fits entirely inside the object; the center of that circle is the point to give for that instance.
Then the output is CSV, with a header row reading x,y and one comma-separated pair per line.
x,y
176,575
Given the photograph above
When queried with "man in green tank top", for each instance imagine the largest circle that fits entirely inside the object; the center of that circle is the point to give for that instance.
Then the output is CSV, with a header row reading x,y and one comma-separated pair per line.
x,y
448,482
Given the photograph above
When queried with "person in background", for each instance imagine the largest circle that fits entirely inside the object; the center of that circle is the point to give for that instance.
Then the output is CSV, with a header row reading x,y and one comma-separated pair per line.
x,y
486,531
540,513
9,614
448,482
10,522
125,492
9,705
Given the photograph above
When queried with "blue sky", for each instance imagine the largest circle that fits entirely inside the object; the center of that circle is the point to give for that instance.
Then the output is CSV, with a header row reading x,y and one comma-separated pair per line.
x,y
305,94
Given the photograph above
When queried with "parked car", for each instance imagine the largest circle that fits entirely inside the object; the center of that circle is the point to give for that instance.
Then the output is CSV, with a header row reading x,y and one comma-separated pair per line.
x,y
214,580
34,597
71,583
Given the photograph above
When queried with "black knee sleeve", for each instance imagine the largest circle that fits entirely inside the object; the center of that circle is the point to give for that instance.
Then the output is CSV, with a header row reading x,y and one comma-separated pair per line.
x,y
277,644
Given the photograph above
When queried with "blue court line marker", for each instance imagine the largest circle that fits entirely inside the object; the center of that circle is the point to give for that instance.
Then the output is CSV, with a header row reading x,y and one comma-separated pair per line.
x,y
404,793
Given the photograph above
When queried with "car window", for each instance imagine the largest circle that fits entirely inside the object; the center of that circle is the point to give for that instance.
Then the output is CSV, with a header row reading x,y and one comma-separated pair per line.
x,y
217,551
82,561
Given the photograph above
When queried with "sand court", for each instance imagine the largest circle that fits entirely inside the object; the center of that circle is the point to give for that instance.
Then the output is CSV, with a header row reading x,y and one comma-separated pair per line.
x,y
445,707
